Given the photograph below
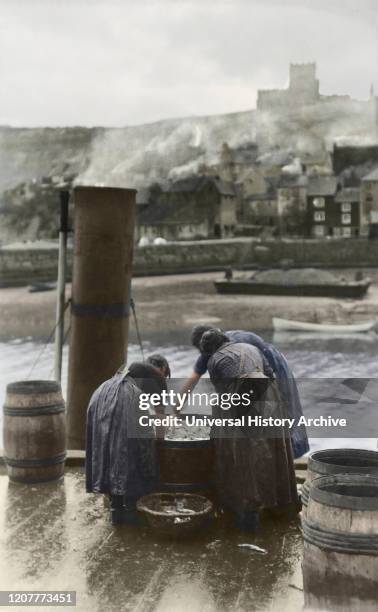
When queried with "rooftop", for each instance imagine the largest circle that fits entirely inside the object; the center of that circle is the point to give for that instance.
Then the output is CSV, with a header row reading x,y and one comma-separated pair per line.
x,y
372,176
278,157
322,185
245,154
353,175
194,184
258,197
292,180
172,213
348,194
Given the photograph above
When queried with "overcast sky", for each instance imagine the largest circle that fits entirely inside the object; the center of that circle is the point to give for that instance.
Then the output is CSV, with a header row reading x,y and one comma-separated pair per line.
x,y
122,62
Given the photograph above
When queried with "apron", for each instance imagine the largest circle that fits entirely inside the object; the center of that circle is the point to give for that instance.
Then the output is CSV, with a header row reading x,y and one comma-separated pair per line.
x,y
254,469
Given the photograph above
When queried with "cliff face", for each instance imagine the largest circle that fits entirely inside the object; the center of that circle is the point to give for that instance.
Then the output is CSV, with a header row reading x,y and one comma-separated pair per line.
x,y
130,156
27,154
314,127
140,155
33,161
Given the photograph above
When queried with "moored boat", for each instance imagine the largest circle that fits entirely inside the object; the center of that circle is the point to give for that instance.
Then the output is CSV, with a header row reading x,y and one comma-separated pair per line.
x,y
331,328
304,282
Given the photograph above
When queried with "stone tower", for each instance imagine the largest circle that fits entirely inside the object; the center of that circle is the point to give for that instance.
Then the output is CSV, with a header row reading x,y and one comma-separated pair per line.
x,y
303,85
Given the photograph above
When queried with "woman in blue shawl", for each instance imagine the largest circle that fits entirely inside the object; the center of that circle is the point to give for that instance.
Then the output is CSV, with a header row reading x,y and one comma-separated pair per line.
x,y
273,359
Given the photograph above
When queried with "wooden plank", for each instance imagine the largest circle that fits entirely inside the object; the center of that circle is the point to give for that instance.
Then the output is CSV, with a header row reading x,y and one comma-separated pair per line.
x,y
75,458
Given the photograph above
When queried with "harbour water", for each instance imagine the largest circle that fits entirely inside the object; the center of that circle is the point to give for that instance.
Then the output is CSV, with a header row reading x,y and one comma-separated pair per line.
x,y
310,356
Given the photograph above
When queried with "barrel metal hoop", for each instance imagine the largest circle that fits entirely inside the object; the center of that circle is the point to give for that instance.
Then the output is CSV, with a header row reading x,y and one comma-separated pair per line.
x,y
34,411
32,387
35,463
338,541
319,462
348,502
101,311
36,481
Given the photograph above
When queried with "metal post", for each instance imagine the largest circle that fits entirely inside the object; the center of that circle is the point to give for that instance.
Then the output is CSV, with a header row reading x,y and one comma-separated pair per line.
x,y
102,264
61,290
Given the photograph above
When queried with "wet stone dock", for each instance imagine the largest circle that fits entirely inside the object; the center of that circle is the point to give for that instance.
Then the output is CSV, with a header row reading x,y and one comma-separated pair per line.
x,y
56,537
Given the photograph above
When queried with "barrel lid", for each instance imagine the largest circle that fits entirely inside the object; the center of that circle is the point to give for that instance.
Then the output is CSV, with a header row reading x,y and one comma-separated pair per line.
x,y
26,387
350,491
343,460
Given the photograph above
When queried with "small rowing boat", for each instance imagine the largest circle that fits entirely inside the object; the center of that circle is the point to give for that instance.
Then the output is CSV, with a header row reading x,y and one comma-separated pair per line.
x,y
330,328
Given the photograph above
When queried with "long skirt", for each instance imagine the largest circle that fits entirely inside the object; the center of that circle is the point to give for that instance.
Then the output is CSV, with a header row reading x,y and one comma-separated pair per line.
x,y
254,474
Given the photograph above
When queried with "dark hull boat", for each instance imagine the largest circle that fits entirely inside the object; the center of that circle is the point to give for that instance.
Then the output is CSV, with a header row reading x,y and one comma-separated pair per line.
x,y
353,289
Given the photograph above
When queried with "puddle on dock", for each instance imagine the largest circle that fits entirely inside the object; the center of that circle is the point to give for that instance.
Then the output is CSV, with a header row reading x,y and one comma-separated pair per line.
x,y
57,537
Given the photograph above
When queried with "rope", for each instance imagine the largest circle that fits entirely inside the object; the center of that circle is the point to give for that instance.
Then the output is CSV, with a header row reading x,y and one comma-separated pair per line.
x,y
132,304
63,343
50,337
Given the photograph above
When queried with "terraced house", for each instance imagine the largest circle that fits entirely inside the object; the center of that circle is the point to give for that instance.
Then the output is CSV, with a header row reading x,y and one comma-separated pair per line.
x,y
194,208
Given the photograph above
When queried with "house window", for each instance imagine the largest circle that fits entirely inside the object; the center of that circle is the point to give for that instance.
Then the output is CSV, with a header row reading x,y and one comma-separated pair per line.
x,y
346,207
319,215
318,202
319,230
346,219
347,232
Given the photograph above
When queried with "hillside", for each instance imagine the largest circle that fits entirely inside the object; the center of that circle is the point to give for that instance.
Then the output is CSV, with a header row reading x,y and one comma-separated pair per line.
x,y
33,161
32,153
130,156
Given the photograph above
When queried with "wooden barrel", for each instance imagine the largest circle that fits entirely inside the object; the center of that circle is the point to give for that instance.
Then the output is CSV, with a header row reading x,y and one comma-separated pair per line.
x,y
330,462
186,465
34,431
340,558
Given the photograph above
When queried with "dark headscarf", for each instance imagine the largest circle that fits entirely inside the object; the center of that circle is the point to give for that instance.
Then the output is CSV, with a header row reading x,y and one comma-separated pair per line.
x,y
197,333
212,340
147,377
158,361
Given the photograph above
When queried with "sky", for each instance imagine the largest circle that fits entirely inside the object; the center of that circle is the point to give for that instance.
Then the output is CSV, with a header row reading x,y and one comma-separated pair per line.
x,y
126,62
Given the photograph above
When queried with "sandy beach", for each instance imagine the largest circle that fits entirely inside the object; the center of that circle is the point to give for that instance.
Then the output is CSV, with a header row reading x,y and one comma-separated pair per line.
x,y
173,304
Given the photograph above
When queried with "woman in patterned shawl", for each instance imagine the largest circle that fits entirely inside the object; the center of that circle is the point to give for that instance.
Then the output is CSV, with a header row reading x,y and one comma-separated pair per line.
x,y
254,467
